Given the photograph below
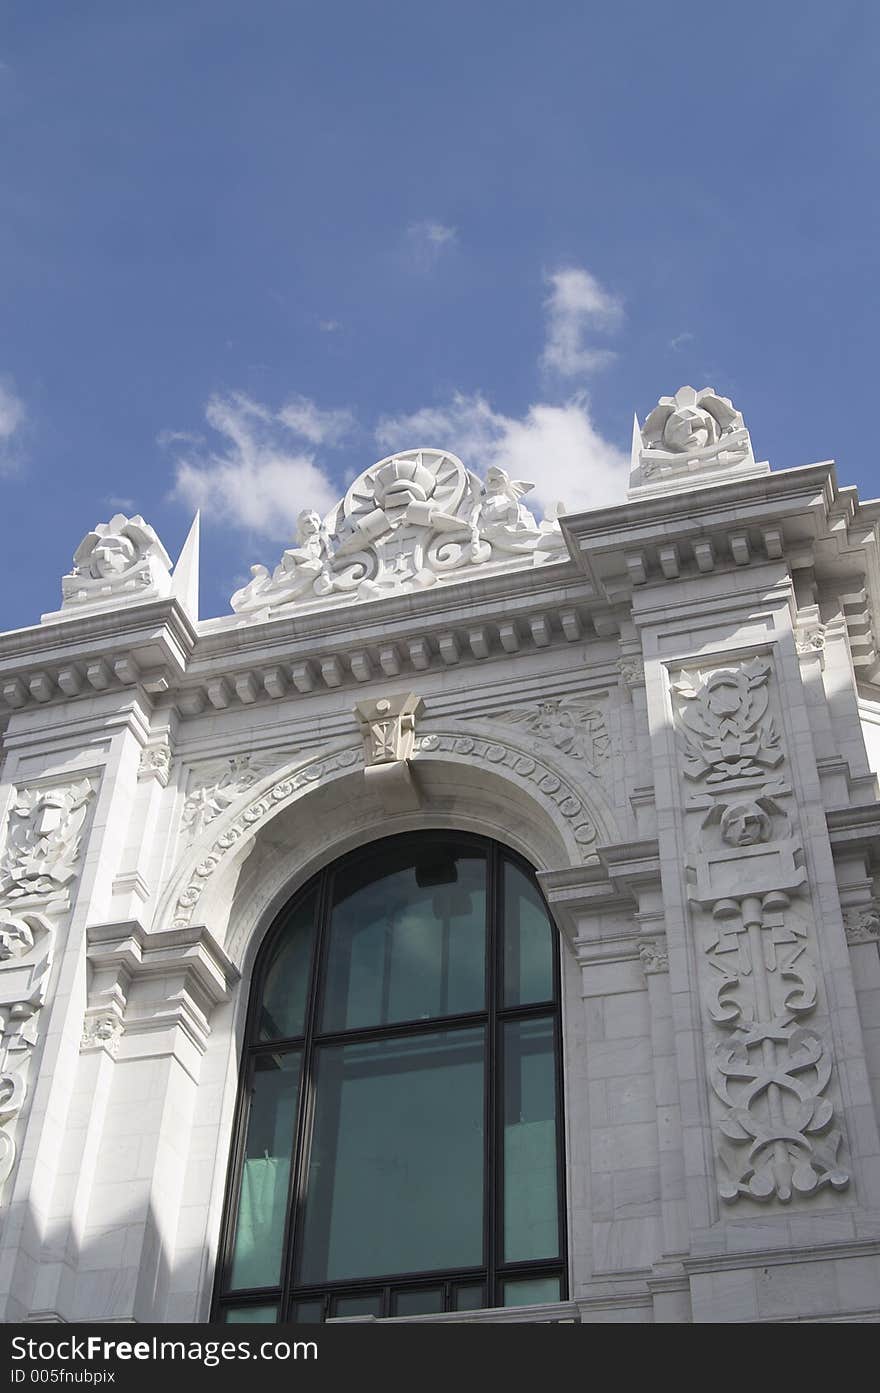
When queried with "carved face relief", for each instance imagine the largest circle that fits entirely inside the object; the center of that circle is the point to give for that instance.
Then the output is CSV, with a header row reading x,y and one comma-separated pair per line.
x,y
691,426
308,525
745,824
688,428
111,557
43,841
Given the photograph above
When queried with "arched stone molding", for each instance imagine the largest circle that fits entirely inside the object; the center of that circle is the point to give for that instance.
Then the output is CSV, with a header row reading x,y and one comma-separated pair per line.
x,y
495,788
469,782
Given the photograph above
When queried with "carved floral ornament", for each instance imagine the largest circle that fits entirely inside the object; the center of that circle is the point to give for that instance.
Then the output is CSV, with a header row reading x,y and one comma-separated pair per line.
x,y
39,861
769,1070
269,797
411,521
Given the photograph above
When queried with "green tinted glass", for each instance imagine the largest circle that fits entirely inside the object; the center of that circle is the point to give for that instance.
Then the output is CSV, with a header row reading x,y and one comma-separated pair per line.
x,y
262,1202
396,1167
531,1223
528,941
407,938
285,988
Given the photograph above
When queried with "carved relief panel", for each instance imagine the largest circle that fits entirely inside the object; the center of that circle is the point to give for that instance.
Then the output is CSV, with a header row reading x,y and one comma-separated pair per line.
x,y
40,860
776,1132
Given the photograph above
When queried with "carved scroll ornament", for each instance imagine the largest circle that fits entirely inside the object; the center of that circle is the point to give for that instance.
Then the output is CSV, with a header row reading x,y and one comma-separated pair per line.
x,y
769,1070
408,522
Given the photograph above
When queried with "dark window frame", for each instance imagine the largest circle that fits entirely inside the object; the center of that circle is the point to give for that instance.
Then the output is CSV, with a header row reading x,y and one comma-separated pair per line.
x,y
493,1271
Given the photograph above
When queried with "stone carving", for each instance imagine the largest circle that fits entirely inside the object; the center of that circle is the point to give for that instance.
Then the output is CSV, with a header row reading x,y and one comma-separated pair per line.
x,y
727,729
410,521
43,842
155,762
225,781
530,770
572,725
102,1032
862,924
38,862
16,935
121,560
810,640
694,426
318,768
388,730
18,1027
632,671
25,959
542,780
769,1070
693,435
653,956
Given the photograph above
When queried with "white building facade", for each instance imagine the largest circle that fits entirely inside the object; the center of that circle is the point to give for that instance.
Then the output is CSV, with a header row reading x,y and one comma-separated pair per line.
x,y
665,714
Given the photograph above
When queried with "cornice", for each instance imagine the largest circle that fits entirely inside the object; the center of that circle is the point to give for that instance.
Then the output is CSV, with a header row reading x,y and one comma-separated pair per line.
x,y
146,646
800,517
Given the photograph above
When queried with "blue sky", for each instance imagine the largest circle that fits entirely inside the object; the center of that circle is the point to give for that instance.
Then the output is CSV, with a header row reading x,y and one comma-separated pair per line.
x,y
246,249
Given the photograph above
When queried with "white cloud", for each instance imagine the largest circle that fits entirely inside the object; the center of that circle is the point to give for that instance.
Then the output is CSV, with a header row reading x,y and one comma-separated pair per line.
x,y
262,473
427,240
12,419
576,304
558,447
319,427
329,326
679,339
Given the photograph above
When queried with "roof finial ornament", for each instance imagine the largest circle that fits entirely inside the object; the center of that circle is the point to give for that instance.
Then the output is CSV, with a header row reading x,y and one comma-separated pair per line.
x,y
689,440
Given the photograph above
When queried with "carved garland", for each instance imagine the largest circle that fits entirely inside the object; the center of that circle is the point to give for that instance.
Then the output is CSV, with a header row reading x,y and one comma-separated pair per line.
x,y
769,1070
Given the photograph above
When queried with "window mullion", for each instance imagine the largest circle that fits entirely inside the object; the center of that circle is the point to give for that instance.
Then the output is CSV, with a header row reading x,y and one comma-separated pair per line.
x,y
306,1105
491,1195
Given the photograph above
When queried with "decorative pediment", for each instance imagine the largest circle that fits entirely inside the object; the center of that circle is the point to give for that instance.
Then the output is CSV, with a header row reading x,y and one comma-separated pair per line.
x,y
411,521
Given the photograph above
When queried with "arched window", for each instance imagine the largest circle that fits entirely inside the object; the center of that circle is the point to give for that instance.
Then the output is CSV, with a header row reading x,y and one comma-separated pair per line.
x,y
398,1145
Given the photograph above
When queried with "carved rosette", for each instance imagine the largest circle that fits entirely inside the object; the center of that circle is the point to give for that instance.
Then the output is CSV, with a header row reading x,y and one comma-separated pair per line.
x,y
40,861
769,1069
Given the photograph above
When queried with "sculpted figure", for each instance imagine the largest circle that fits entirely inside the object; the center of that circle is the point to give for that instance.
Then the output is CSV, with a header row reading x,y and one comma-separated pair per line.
x,y
501,518
300,568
